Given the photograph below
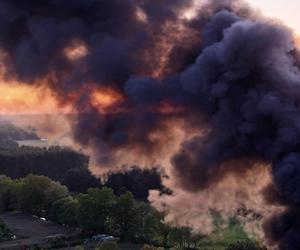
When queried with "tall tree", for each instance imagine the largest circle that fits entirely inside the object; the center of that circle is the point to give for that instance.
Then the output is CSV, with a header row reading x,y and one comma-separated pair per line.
x,y
35,194
95,209
7,186
64,211
125,216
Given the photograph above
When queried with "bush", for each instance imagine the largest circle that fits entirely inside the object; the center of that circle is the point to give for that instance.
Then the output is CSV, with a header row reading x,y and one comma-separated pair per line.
x,y
108,245
5,233
79,248
148,247
246,245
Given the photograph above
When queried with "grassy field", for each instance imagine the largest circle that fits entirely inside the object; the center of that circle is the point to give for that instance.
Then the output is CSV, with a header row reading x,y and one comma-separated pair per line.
x,y
223,237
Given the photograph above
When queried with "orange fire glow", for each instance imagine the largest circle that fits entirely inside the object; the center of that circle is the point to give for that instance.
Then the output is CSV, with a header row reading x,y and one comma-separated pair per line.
x,y
23,99
168,109
105,98
16,98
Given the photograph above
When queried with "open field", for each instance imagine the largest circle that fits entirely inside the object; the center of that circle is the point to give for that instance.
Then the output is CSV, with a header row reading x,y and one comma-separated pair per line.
x,y
30,231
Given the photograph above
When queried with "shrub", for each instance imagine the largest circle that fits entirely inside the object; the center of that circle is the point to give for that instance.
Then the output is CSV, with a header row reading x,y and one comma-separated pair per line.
x,y
246,245
108,245
148,247
5,233
79,248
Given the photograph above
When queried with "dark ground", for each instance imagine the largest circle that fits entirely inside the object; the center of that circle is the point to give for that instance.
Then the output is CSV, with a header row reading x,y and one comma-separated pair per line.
x,y
30,231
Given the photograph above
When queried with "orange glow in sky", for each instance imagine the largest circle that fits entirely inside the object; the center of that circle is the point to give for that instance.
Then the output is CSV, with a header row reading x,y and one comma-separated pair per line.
x,y
23,99
102,99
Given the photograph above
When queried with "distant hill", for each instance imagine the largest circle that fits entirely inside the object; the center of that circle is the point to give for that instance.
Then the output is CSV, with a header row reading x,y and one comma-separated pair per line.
x,y
8,131
10,134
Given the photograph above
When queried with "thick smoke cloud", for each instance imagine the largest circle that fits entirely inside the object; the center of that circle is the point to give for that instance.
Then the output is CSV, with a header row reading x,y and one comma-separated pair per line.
x,y
124,39
229,78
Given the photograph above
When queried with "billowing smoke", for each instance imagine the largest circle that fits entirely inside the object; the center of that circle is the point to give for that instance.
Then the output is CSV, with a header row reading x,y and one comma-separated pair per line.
x,y
230,198
211,96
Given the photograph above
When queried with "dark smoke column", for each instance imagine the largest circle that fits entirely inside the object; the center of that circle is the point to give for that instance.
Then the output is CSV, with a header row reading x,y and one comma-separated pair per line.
x,y
246,83
227,72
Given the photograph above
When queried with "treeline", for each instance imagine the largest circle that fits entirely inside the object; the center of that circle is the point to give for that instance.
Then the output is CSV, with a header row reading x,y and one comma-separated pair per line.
x,y
56,163
137,181
53,162
97,211
71,169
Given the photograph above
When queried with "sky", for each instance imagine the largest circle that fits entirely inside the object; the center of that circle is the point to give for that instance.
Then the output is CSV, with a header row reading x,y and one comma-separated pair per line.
x,y
286,10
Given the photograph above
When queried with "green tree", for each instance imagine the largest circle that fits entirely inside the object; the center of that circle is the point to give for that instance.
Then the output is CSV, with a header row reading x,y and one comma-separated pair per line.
x,y
53,193
137,181
80,179
7,186
95,210
125,216
35,194
163,229
64,211
146,222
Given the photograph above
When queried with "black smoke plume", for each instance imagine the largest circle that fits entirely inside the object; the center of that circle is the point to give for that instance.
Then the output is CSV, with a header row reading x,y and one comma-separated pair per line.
x,y
227,72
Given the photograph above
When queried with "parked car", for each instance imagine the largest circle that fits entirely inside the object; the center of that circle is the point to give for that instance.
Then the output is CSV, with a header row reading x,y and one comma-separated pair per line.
x,y
103,237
